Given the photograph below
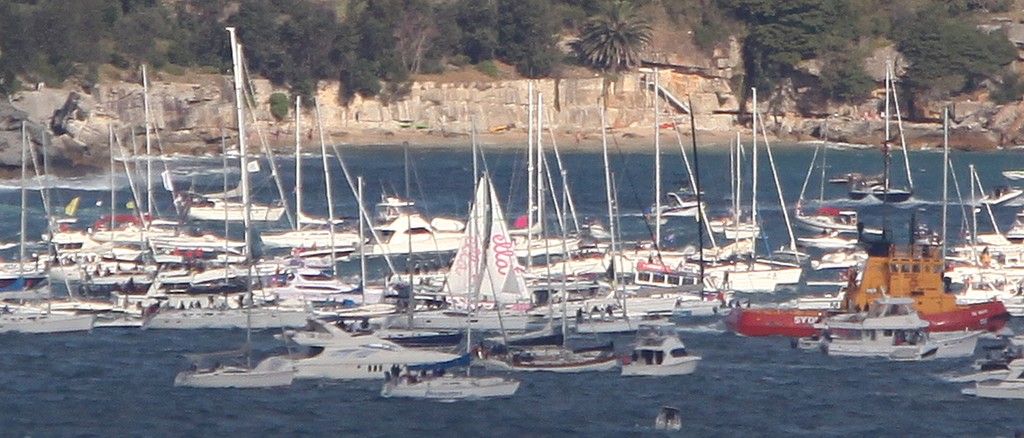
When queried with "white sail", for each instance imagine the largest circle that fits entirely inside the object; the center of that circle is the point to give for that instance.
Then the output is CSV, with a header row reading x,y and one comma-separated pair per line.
x,y
466,267
487,265
503,279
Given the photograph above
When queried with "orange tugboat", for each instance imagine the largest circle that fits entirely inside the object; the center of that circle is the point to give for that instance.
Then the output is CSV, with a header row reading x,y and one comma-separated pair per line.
x,y
914,272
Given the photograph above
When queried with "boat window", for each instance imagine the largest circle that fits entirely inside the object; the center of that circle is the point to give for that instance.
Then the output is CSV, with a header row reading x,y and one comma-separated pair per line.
x,y
887,333
916,268
659,278
894,267
644,276
678,352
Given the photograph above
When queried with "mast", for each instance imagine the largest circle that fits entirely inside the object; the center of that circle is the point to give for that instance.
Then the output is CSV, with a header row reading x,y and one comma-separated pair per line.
x,y
149,145
696,181
113,181
530,169
327,187
24,200
610,198
236,58
298,163
885,145
362,245
945,174
753,173
565,251
539,168
657,169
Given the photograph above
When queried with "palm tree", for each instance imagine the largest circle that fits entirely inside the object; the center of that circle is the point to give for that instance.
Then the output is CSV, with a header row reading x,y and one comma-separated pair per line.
x,y
614,39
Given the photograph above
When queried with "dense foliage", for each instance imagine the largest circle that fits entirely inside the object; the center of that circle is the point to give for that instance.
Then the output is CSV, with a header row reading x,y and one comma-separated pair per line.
x,y
374,47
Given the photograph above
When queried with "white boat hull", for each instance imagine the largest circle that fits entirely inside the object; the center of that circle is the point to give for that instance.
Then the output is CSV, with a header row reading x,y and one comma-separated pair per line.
x,y
680,366
451,388
270,373
45,323
259,319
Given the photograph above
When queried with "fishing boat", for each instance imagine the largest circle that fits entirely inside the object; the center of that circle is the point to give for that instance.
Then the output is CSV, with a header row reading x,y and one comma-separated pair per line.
x,y
659,352
914,271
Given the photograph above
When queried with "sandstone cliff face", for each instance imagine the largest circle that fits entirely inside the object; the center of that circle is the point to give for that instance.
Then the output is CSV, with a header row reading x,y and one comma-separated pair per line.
x,y
192,116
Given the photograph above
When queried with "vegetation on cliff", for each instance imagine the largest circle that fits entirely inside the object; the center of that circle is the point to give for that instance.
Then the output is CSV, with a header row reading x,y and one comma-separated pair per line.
x,y
374,47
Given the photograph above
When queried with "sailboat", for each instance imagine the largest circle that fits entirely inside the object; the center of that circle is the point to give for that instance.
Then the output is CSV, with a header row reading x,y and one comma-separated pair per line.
x,y
274,371
883,190
471,271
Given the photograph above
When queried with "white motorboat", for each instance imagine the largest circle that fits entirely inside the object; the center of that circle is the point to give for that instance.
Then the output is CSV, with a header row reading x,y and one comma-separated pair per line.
x,y
827,220
839,260
761,275
451,319
659,352
891,328
410,233
668,419
304,285
1009,387
271,372
678,204
1013,174
204,209
345,356
828,241
1001,195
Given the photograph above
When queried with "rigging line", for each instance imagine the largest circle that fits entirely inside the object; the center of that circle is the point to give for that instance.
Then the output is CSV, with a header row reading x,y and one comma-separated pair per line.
x,y
281,193
636,196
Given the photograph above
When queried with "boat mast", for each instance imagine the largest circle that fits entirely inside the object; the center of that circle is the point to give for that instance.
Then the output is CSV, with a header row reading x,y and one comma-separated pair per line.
x,y
327,187
149,145
362,246
113,181
657,169
778,190
565,251
611,201
696,181
24,201
539,169
236,58
945,174
899,127
298,163
753,187
530,169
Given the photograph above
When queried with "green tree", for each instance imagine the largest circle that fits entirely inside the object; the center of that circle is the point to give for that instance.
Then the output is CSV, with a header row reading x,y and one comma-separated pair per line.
x,y
478,21
526,36
613,40
948,55
843,79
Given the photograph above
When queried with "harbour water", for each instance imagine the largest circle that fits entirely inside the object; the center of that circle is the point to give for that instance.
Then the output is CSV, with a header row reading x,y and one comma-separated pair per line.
x,y
118,382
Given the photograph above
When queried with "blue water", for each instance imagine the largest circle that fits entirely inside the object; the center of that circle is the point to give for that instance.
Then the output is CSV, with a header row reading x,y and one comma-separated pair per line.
x,y
116,382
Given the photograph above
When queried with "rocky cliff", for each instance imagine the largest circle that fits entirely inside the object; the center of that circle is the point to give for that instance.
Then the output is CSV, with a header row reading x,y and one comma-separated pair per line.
x,y
191,115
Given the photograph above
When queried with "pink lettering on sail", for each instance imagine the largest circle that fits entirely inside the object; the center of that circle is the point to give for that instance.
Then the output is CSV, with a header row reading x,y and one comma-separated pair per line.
x,y
469,255
503,253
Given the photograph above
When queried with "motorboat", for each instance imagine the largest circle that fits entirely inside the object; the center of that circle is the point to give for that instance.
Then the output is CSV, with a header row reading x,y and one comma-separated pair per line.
x,y
760,275
411,233
890,329
256,318
828,220
1001,195
365,357
202,208
827,241
659,351
1009,387
682,203
668,419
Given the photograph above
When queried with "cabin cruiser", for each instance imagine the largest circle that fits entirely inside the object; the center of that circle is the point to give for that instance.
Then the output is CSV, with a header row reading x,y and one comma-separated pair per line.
x,y
336,354
412,234
827,220
1009,387
659,352
890,328
681,203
